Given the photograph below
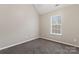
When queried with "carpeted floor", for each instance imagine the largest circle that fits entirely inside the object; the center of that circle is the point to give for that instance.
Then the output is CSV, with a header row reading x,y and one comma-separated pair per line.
x,y
41,46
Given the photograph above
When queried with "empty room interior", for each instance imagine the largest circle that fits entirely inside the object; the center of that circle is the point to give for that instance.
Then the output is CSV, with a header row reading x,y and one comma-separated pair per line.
x,y
39,29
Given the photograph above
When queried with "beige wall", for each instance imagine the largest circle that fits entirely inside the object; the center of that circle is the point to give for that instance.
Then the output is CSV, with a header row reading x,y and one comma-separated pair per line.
x,y
70,25
18,23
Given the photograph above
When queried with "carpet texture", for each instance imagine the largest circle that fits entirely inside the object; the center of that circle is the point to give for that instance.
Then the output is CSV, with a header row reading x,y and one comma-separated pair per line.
x,y
41,46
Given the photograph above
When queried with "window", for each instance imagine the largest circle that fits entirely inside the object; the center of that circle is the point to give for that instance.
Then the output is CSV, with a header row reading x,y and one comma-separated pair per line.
x,y
56,25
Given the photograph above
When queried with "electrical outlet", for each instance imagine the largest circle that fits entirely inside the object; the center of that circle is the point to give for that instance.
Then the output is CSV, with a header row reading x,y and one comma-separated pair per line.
x,y
75,40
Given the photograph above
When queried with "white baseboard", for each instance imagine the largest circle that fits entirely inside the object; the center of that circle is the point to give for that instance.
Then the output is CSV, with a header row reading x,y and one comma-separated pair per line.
x,y
37,38
17,43
61,42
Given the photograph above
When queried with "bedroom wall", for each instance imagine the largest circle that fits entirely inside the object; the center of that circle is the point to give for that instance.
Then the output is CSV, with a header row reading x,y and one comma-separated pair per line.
x,y
70,25
18,23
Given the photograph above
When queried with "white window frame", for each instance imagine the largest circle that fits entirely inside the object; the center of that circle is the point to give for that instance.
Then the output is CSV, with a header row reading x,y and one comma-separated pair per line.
x,y
51,32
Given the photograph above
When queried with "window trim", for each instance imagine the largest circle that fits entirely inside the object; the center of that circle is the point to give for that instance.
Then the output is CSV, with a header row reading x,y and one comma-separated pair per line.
x,y
54,24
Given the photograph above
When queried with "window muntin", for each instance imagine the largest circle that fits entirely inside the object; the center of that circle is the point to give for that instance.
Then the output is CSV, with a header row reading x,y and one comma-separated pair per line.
x,y
56,26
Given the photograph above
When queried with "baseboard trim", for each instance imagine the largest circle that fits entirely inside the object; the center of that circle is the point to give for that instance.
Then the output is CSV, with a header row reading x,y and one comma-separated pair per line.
x,y
37,38
61,42
17,43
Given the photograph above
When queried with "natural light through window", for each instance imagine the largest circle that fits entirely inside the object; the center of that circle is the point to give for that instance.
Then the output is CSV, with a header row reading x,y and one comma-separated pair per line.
x,y
56,25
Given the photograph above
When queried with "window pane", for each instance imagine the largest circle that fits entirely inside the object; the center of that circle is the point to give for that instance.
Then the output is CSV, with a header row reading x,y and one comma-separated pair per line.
x,y
59,19
56,20
56,25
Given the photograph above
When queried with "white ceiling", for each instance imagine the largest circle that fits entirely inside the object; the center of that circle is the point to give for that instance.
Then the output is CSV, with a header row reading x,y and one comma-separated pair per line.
x,y
45,8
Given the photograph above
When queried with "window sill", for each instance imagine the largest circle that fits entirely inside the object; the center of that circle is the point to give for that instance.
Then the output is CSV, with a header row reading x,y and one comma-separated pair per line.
x,y
55,34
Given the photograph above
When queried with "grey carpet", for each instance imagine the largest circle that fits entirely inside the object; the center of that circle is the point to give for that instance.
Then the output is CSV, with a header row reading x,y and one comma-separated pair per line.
x,y
41,46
